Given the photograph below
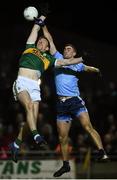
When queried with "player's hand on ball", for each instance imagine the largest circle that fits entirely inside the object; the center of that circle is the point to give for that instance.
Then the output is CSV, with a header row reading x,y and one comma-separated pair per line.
x,y
39,22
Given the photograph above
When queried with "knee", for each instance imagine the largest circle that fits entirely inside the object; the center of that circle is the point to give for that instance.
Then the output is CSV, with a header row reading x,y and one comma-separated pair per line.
x,y
63,139
29,106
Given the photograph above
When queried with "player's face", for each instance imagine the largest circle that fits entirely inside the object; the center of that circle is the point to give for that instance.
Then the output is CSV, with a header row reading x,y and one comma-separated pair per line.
x,y
42,44
69,52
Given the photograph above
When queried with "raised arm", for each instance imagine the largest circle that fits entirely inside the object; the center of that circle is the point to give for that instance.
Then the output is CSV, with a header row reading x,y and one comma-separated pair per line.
x,y
50,39
59,62
34,32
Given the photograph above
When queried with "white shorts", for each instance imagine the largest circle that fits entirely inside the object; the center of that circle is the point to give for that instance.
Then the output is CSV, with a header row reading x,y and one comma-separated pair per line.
x,y
29,85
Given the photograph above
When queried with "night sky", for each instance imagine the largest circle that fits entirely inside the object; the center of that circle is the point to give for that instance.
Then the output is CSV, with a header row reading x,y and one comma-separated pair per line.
x,y
92,26
96,20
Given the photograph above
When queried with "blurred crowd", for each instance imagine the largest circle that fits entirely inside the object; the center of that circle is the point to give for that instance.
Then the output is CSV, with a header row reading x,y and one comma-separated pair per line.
x,y
100,101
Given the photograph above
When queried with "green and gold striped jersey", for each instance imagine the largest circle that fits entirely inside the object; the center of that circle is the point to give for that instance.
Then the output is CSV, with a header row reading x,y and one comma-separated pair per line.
x,y
33,58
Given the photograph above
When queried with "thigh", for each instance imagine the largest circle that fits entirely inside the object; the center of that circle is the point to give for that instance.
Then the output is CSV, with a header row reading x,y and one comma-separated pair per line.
x,y
77,106
24,98
84,119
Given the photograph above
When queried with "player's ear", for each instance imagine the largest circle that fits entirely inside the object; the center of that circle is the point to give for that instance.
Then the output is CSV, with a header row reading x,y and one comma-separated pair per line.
x,y
47,48
74,53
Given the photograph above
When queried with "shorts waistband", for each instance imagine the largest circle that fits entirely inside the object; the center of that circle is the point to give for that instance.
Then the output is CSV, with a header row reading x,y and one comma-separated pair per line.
x,y
26,78
64,98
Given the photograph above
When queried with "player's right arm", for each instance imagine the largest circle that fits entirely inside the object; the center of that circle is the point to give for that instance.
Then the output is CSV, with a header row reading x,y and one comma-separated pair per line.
x,y
66,62
47,34
34,33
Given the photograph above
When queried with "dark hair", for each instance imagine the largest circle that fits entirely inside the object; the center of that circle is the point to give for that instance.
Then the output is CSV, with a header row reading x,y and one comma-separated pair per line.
x,y
69,44
43,37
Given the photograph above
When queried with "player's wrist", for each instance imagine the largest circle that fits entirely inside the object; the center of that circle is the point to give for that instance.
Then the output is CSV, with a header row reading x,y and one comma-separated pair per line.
x,y
39,21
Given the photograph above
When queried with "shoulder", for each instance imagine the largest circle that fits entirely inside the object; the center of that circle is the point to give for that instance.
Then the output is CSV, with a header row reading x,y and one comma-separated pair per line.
x,y
80,66
58,55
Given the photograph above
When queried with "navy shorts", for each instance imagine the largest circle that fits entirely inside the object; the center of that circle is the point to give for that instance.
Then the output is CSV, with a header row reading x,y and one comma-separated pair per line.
x,y
70,108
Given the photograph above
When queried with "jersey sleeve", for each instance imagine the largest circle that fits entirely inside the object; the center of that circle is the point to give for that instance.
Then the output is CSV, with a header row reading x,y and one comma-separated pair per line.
x,y
30,46
80,67
58,55
51,59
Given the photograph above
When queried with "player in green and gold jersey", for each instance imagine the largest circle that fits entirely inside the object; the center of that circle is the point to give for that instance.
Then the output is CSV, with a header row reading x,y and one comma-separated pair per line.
x,y
33,62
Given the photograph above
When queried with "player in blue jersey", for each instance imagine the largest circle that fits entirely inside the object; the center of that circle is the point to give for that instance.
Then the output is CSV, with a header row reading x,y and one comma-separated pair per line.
x,y
70,105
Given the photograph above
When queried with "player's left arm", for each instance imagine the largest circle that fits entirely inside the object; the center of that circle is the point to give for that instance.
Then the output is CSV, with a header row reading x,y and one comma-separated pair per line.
x,y
91,69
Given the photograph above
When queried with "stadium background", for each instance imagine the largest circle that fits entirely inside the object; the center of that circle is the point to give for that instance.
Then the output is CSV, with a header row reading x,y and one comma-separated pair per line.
x,y
92,28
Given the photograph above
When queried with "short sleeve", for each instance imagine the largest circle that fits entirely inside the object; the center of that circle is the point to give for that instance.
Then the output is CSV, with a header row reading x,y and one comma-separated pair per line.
x,y
58,55
80,67
30,46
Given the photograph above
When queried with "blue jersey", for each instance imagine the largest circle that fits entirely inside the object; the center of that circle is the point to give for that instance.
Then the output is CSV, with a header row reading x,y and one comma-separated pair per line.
x,y
65,78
